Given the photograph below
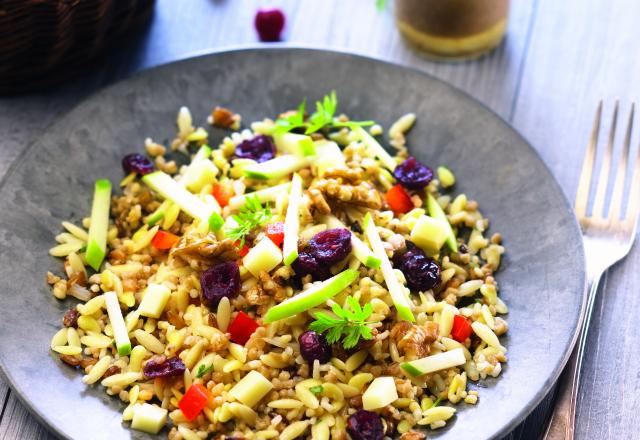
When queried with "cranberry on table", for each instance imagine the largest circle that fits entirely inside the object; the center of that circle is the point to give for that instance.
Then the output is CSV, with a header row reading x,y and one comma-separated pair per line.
x,y
261,148
422,273
137,163
171,367
219,281
307,264
365,425
330,246
269,24
412,174
314,346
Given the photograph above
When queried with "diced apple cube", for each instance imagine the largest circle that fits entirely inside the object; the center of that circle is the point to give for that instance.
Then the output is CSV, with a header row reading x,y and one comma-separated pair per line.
x,y
429,234
154,300
149,418
380,393
328,156
294,143
264,256
199,174
436,212
251,388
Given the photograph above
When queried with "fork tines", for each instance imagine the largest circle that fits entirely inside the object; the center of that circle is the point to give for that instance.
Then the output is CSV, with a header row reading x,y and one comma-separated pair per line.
x,y
584,184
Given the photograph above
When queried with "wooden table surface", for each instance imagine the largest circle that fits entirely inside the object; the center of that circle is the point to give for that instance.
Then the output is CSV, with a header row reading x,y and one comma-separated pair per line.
x,y
559,59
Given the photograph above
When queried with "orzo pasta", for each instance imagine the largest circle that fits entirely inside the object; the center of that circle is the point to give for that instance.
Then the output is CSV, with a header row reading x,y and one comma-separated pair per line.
x,y
296,281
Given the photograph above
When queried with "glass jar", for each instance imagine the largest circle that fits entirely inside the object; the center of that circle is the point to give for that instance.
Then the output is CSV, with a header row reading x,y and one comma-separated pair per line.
x,y
452,29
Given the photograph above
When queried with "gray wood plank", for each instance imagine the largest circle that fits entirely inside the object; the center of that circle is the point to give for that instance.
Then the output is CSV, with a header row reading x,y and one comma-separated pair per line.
x,y
183,28
4,396
581,52
18,423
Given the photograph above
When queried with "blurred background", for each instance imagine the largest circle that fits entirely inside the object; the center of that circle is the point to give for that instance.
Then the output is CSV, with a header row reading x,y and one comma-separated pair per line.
x,y
545,77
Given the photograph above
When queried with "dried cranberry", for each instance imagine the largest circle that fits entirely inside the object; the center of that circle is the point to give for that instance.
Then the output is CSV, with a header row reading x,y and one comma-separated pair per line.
x,y
421,272
219,281
137,163
330,246
269,24
114,369
412,174
70,318
307,264
314,346
261,148
171,367
365,425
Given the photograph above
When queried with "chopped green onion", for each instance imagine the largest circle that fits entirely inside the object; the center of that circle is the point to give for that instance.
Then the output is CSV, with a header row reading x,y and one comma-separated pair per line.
x,y
375,148
292,221
120,334
188,202
155,218
97,243
396,290
436,212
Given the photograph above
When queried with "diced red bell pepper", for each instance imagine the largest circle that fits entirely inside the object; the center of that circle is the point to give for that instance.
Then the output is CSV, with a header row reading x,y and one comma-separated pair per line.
x,y
164,240
244,250
275,231
222,193
241,328
193,401
461,329
398,200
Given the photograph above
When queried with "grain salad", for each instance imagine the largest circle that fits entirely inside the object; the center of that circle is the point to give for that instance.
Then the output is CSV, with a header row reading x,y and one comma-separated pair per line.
x,y
296,281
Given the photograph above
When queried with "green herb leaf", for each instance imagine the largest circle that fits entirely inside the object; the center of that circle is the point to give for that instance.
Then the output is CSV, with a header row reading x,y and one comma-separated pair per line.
x,y
350,326
317,389
202,370
323,115
288,123
436,403
381,4
321,118
250,216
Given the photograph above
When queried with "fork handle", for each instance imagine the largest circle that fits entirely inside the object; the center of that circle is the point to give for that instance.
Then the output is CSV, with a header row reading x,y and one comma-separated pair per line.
x,y
562,423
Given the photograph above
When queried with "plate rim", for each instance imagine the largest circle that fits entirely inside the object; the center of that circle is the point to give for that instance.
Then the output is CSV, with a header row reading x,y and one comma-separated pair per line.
x,y
285,46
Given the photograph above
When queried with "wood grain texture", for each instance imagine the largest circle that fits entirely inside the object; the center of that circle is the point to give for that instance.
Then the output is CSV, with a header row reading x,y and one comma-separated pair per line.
x,y
17,423
4,397
581,52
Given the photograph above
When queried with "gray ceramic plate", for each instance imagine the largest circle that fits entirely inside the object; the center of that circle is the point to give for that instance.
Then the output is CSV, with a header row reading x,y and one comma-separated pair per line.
x,y
541,279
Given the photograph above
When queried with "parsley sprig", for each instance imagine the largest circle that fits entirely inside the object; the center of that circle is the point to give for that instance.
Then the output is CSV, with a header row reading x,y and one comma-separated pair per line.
x,y
321,118
351,323
292,121
317,389
250,216
204,369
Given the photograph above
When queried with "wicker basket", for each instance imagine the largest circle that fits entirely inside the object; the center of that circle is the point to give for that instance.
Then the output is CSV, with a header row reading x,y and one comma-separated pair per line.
x,y
37,37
